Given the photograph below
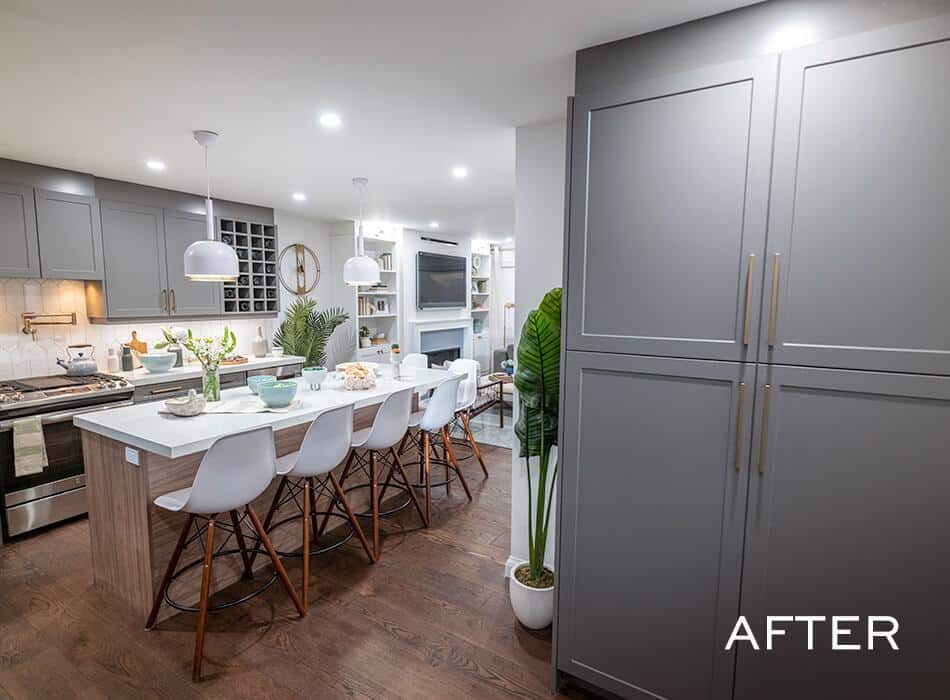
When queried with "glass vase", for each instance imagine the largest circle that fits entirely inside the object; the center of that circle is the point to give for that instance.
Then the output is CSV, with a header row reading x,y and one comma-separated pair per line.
x,y
211,382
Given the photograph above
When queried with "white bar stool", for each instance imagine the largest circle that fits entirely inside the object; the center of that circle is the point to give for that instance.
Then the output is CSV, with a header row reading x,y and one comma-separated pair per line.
x,y
308,473
433,425
468,392
416,360
389,426
233,472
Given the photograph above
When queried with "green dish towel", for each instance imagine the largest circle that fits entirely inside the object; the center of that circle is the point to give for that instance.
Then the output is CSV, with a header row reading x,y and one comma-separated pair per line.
x,y
29,447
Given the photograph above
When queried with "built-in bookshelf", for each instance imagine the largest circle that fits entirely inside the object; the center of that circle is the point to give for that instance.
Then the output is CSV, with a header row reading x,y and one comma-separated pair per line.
x,y
480,304
255,291
378,308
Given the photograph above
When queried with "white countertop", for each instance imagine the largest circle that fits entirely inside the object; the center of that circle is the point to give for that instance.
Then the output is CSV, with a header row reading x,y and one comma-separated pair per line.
x,y
192,370
143,427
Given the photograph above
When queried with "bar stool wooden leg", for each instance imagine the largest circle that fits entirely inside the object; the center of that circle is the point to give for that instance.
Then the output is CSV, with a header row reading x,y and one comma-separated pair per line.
x,y
203,604
272,511
306,543
471,440
425,460
281,572
451,459
169,572
352,517
346,471
412,491
374,496
242,545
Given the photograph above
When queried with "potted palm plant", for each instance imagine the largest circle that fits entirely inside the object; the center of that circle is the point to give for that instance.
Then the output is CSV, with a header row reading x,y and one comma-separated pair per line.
x,y
537,379
305,331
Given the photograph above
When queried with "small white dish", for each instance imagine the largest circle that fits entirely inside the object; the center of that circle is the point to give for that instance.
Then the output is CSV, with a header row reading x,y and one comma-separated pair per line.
x,y
186,406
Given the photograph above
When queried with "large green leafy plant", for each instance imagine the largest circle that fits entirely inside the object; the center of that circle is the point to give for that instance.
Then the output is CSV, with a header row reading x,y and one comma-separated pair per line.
x,y
537,379
305,330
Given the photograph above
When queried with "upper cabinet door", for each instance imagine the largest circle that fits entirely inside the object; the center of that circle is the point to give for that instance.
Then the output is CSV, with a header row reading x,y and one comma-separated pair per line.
x,y
653,499
69,235
134,249
19,253
668,204
847,516
185,297
858,235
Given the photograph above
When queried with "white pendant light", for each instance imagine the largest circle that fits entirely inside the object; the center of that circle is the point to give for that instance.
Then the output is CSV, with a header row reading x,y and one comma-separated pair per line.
x,y
360,269
210,260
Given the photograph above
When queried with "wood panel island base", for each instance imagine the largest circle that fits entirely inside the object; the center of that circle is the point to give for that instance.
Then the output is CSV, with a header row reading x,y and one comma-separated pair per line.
x,y
132,539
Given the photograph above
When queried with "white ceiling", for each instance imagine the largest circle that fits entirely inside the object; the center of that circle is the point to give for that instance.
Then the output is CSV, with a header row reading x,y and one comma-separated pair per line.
x,y
101,86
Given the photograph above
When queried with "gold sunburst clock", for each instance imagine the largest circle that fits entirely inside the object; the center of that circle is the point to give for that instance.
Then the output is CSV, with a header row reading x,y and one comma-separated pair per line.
x,y
302,276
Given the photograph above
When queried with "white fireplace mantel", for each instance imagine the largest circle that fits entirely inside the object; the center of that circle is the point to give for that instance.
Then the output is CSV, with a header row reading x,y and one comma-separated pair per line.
x,y
418,327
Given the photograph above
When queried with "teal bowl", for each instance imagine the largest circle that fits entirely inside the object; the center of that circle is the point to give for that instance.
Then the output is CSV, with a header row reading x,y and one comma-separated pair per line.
x,y
157,362
254,383
277,394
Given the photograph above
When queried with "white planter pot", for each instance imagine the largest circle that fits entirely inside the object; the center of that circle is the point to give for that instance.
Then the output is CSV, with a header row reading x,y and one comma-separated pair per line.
x,y
534,607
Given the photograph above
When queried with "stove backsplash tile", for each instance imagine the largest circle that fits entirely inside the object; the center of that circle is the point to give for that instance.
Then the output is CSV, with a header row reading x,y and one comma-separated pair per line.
x,y
21,357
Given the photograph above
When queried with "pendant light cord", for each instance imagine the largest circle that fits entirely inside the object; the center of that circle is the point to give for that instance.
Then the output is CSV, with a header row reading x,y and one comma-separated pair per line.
x,y
359,233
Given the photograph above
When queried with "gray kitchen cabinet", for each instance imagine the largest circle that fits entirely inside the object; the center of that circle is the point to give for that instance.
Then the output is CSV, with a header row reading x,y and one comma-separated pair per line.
x,y
858,236
653,499
134,250
19,251
185,297
848,516
70,239
668,206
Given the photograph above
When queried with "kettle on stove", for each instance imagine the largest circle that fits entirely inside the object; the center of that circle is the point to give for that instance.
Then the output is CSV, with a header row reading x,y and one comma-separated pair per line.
x,y
80,362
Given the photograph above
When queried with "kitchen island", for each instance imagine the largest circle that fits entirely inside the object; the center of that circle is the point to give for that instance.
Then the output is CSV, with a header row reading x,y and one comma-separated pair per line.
x,y
137,453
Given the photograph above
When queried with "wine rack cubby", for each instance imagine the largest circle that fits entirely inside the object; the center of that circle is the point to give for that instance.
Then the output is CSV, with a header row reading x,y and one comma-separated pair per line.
x,y
256,289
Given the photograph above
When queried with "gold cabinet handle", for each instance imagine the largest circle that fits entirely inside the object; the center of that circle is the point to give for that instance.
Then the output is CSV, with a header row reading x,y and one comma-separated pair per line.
x,y
740,419
174,299
774,308
763,443
167,390
747,326
164,298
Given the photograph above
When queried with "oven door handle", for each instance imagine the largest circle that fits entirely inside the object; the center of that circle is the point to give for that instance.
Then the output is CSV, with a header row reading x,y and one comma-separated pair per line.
x,y
64,416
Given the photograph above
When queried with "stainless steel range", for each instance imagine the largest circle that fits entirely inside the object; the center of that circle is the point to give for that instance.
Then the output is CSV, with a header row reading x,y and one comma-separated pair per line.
x,y
59,491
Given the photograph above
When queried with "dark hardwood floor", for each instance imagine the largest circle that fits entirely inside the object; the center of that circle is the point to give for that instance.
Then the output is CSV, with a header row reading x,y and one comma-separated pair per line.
x,y
431,619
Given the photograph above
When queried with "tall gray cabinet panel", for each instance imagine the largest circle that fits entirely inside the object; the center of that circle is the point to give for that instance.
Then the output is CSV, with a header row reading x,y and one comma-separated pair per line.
x,y
860,207
69,236
134,242
186,298
19,253
848,516
654,477
669,197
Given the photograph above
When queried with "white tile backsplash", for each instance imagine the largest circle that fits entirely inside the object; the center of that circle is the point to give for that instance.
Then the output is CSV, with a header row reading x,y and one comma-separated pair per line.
x,y
21,357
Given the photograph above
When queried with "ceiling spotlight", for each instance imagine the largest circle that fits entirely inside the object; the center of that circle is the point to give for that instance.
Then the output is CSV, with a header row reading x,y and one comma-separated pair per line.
x,y
459,171
433,224
154,165
331,120
299,197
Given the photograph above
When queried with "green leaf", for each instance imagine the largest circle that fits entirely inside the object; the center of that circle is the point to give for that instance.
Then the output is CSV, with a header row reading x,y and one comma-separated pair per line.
x,y
538,375
306,331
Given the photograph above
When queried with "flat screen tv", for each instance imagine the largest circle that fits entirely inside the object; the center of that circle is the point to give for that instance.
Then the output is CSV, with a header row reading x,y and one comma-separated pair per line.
x,y
440,281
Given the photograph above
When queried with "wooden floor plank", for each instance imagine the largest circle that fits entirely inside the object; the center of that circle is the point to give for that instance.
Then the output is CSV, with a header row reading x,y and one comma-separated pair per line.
x,y
430,620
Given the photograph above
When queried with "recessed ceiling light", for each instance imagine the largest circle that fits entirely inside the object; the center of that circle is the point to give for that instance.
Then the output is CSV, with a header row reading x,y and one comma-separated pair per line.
x,y
459,171
154,165
433,224
299,197
331,120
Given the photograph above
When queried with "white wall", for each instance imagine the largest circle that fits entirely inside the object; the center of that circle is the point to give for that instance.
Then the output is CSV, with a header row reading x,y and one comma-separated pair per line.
x,y
539,233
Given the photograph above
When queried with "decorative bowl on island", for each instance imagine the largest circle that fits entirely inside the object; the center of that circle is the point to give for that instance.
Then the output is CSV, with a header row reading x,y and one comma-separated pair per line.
x,y
358,377
314,376
186,406
277,394
254,383
157,362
